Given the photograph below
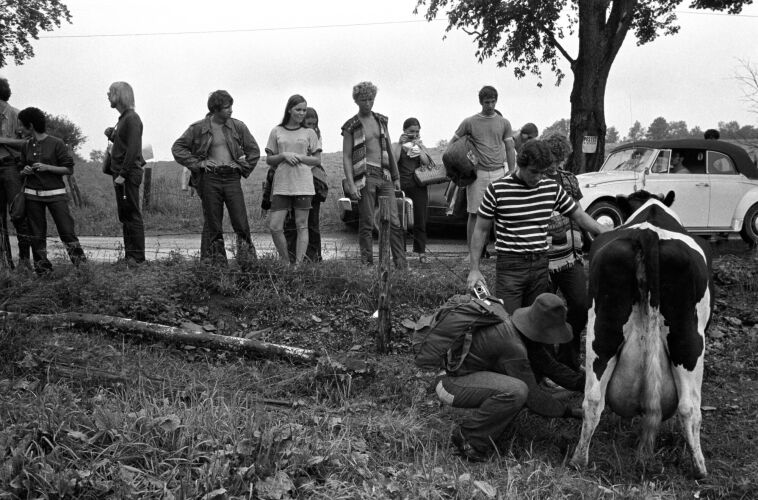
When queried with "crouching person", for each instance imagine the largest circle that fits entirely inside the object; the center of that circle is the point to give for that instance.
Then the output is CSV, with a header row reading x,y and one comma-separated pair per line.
x,y
44,161
496,378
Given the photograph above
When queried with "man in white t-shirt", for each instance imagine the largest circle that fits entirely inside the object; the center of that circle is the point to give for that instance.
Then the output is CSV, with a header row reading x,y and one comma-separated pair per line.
x,y
491,136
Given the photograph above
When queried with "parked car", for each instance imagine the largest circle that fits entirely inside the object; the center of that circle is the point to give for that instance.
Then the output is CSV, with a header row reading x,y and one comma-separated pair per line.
x,y
719,194
446,211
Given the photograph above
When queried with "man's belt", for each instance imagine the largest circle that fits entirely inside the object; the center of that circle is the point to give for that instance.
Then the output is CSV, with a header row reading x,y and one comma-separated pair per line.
x,y
523,255
221,170
45,192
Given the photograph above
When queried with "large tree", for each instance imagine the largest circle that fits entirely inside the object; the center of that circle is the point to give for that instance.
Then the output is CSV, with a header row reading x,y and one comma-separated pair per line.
x,y
21,20
526,34
65,130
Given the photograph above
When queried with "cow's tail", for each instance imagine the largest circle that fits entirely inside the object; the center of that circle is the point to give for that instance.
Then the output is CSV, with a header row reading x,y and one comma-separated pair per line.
x,y
647,273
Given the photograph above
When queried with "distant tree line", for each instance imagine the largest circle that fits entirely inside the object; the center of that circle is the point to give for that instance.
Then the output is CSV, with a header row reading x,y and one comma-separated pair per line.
x,y
660,128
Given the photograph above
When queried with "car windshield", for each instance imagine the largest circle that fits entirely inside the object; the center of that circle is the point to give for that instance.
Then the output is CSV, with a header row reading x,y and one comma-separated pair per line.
x,y
633,159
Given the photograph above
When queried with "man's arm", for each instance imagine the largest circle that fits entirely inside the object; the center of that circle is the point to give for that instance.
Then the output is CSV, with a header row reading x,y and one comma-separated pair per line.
x,y
347,165
478,240
252,152
131,132
182,152
588,223
14,143
510,154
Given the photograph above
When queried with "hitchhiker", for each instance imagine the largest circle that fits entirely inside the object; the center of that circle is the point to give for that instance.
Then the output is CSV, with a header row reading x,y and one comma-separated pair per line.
x,y
126,164
45,160
499,376
10,180
521,204
566,270
371,172
219,150
293,150
491,136
411,154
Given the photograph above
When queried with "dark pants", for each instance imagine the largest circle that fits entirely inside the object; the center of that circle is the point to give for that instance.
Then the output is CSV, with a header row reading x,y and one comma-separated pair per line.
x,y
572,282
313,252
130,217
10,185
497,398
374,188
520,278
217,190
64,223
420,197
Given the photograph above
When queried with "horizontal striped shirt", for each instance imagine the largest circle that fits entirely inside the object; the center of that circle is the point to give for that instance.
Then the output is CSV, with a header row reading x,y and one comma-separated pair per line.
x,y
522,213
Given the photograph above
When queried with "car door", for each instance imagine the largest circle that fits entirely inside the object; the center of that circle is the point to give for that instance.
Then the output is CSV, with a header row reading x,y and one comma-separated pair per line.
x,y
692,190
726,189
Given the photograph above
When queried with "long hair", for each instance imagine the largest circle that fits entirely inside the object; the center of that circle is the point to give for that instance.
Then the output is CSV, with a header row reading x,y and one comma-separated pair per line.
x,y
124,94
311,113
291,103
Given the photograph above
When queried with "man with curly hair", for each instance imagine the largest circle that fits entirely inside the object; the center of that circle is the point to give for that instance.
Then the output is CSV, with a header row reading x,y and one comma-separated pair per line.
x,y
10,180
521,204
371,171
565,266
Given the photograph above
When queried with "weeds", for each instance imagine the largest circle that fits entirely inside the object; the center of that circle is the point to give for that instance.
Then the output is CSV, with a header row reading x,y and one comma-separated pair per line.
x,y
94,415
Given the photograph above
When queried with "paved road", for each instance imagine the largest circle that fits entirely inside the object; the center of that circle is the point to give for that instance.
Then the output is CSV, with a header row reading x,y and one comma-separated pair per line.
x,y
334,246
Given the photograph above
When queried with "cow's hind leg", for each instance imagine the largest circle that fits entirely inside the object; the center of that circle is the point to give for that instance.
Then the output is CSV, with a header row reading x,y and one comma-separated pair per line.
x,y
688,384
593,405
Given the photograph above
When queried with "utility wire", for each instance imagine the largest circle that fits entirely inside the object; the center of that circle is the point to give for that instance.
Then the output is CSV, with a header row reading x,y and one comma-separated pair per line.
x,y
320,26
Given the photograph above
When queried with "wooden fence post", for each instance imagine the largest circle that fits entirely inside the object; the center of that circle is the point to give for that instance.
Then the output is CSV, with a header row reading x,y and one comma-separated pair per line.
x,y
384,334
148,184
73,188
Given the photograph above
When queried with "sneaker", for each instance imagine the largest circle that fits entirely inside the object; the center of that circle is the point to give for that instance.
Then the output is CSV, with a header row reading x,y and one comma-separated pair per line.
x,y
465,450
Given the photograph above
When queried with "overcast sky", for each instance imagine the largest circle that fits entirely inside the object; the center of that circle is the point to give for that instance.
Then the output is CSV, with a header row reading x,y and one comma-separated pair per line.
x,y
297,46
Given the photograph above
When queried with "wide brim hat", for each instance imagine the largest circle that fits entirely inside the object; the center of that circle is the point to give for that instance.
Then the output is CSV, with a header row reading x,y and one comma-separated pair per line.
x,y
544,321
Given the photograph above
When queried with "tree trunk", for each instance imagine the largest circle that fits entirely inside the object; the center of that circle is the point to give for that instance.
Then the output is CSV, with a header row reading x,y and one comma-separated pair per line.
x,y
600,39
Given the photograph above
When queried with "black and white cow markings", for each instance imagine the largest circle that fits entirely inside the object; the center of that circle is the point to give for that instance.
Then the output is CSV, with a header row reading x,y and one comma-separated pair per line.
x,y
651,293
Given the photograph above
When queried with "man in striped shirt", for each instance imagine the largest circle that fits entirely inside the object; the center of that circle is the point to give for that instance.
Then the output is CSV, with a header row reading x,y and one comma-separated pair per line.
x,y
520,205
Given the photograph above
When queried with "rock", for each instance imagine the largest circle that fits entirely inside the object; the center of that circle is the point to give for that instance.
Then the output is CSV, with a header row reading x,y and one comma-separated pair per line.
x,y
733,321
716,333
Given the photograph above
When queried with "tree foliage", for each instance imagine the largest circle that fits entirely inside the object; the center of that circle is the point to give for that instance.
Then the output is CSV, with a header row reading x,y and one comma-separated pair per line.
x,y
657,130
66,130
612,135
748,78
562,126
527,35
22,20
96,155
636,132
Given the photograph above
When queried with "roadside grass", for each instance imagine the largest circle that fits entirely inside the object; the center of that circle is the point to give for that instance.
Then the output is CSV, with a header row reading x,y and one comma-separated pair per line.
x,y
94,414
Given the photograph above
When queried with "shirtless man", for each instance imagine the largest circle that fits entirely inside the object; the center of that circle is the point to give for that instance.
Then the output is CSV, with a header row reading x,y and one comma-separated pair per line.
x,y
371,171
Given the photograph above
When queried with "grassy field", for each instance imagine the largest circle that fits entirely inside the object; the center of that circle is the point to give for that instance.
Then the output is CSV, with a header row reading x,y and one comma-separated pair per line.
x,y
96,414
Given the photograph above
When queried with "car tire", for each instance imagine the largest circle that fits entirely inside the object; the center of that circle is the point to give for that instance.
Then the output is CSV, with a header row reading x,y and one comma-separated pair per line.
x,y
749,230
605,213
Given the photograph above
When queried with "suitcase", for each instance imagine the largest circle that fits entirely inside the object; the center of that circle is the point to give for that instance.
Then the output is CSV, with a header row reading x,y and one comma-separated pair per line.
x,y
404,210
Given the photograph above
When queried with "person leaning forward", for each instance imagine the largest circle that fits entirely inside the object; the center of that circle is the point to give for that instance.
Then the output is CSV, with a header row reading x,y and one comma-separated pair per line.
x,y
219,150
498,377
521,205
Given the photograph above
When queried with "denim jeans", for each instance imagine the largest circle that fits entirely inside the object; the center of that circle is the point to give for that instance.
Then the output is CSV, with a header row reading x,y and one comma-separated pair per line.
x,y
64,223
497,399
218,190
313,252
420,197
572,282
10,185
520,279
127,204
374,188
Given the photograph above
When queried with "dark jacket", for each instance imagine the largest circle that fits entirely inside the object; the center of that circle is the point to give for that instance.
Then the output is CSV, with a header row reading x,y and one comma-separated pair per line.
x,y
193,146
52,151
501,348
126,153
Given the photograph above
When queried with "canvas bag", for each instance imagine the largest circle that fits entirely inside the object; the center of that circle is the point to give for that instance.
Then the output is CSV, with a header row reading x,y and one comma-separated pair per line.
x,y
443,339
18,204
460,160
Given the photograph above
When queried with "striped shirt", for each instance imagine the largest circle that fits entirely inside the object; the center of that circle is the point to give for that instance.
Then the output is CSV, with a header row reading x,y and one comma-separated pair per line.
x,y
522,213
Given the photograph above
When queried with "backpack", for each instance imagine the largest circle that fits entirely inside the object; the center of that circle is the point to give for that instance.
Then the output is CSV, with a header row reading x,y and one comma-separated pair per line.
x,y
443,339
460,160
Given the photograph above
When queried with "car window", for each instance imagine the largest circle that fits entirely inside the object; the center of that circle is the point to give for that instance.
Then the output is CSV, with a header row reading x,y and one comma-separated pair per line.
x,y
719,163
661,164
633,159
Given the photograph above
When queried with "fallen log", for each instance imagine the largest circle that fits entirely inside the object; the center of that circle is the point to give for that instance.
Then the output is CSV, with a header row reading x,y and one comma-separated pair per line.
x,y
168,334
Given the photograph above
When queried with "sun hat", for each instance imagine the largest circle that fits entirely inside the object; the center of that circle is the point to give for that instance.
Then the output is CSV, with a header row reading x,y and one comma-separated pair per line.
x,y
544,321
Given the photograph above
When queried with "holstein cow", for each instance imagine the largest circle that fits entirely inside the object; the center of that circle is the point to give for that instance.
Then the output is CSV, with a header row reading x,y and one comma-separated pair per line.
x,y
651,295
